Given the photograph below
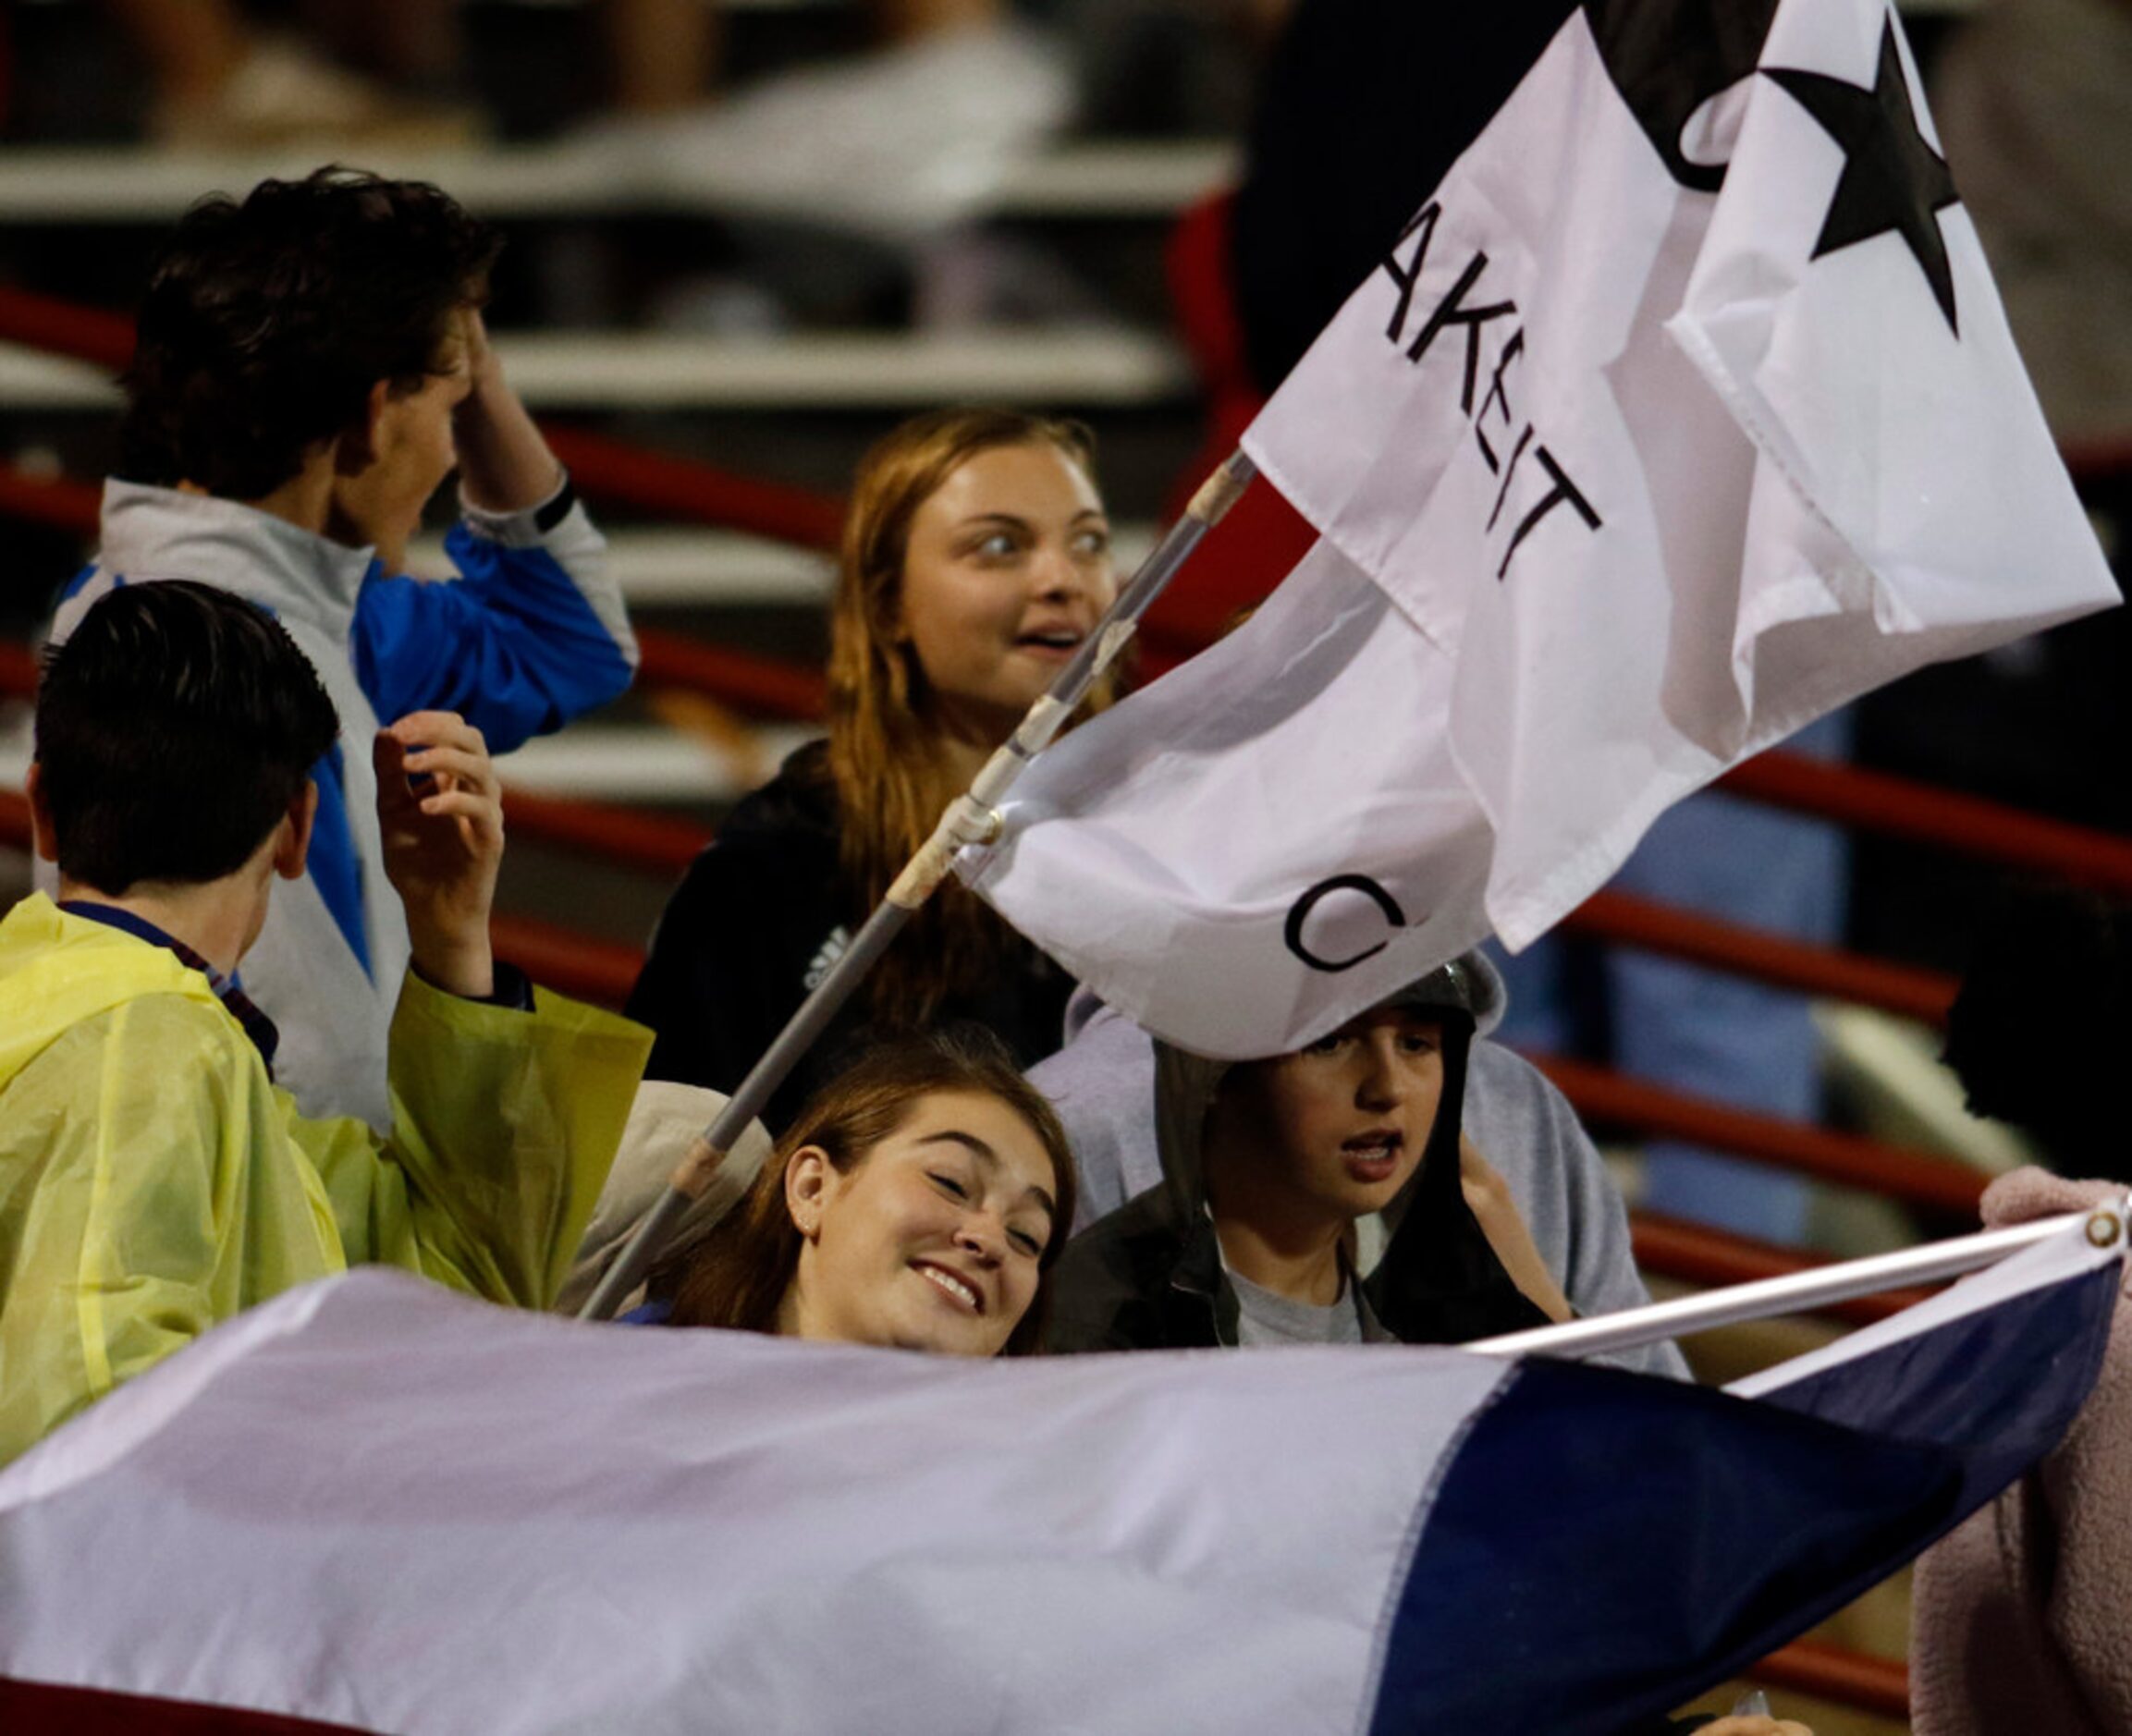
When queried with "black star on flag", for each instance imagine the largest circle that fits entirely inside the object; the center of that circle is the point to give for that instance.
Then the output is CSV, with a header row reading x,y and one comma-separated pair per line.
x,y
1893,181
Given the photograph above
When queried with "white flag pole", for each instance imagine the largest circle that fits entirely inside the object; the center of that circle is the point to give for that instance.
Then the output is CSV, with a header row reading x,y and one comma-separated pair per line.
x,y
1800,1292
970,818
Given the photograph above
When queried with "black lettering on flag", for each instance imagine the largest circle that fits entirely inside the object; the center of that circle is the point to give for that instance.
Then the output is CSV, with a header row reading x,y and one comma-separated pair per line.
x,y
1422,226
1299,913
1448,313
1496,395
1502,494
1563,490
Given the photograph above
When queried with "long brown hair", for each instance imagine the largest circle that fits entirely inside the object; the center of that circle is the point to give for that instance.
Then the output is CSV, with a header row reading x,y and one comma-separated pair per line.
x,y
884,757
738,1274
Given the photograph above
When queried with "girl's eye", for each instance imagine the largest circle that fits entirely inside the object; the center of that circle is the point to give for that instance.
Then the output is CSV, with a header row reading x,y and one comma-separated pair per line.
x,y
1022,1239
1419,1045
1324,1045
947,1184
1092,543
997,546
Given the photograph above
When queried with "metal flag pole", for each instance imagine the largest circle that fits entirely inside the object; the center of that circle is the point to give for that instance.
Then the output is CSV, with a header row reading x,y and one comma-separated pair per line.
x,y
1801,1292
970,818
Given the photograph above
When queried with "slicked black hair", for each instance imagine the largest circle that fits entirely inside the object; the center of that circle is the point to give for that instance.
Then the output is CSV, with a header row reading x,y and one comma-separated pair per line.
x,y
266,323
174,728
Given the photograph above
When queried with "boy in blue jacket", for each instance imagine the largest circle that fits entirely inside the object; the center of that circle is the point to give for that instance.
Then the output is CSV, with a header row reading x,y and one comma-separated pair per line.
x,y
311,363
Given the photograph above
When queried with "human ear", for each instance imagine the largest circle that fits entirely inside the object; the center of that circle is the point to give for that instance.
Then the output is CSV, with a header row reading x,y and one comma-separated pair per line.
x,y
356,449
810,1179
894,620
293,843
43,837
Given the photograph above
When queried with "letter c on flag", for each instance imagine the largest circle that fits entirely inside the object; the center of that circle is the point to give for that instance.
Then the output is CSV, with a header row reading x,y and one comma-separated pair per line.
x,y
1299,913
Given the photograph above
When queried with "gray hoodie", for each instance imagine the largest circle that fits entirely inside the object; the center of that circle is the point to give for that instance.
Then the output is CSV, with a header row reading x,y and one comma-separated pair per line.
x,y
1102,1083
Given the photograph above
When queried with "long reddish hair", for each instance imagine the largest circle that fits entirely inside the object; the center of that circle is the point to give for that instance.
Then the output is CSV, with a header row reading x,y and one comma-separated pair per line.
x,y
885,754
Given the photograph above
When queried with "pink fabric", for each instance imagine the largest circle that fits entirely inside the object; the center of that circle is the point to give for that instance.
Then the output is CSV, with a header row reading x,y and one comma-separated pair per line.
x,y
2022,1624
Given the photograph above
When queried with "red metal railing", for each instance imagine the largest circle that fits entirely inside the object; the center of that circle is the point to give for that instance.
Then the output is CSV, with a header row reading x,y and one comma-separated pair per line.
x,y
61,502
1968,825
1713,1259
1880,1685
1918,1178
601,972
1772,959
734,677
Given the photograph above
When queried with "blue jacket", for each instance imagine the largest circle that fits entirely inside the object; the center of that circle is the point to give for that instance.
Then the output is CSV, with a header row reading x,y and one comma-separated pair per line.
x,y
530,634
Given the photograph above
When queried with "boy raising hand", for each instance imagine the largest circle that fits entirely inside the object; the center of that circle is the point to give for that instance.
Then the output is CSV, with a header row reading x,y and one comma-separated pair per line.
x,y
153,1180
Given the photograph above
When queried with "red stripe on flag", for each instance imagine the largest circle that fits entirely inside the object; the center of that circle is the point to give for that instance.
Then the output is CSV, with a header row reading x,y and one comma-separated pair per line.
x,y
43,1705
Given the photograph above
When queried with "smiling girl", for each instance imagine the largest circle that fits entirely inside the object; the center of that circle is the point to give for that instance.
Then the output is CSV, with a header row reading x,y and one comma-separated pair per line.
x,y
918,1202
976,557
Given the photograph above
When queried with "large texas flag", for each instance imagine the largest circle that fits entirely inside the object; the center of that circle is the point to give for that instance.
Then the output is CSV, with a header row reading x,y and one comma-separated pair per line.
x,y
374,1506
1683,410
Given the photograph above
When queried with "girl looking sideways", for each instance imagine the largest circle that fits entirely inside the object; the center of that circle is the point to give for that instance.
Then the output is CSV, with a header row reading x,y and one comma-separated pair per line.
x,y
976,559
917,1202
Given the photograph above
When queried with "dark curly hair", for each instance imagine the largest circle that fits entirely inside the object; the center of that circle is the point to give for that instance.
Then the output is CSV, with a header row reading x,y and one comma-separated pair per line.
x,y
266,323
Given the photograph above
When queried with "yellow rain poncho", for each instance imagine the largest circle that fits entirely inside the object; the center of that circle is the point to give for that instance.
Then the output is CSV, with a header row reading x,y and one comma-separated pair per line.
x,y
153,1182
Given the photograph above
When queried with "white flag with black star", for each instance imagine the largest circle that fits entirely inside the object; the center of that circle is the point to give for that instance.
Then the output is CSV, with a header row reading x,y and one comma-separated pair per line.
x,y
1682,411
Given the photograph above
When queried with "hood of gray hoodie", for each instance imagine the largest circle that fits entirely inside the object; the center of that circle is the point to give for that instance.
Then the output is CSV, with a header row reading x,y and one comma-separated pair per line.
x,y
151,533
1185,1082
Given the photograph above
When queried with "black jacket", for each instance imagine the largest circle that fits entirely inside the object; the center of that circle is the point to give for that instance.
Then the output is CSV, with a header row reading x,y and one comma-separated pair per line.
x,y
1149,1276
758,920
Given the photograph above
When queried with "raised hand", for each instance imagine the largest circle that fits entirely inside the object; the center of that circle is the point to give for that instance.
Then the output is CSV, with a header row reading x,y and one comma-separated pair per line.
x,y
503,464
440,809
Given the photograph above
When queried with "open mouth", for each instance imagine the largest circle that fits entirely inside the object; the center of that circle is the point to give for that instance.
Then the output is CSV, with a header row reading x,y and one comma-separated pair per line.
x,y
956,1290
1058,641
1373,1156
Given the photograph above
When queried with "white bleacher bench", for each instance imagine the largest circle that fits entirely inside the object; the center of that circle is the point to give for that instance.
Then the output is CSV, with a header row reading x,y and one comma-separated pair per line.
x,y
51,184
612,371
679,567
626,763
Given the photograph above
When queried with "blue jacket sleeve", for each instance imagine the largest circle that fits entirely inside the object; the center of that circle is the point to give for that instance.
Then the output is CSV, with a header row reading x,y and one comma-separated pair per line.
x,y
531,634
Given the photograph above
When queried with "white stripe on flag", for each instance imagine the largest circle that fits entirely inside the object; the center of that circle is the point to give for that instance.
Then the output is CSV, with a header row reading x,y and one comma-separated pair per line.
x,y
375,1503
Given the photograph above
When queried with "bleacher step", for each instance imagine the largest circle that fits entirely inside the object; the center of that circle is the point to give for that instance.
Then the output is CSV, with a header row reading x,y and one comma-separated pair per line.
x,y
675,566
78,185
607,370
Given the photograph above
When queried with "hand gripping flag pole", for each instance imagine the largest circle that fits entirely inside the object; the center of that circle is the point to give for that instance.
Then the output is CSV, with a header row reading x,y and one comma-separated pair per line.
x,y
970,818
1801,1292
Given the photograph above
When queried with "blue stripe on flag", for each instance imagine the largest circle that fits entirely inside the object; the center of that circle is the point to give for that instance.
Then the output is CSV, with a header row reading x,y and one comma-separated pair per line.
x,y
1605,1544
1934,1388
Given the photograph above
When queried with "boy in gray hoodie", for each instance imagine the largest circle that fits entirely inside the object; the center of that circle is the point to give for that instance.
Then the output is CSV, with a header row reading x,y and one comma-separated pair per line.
x,y
1106,1085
